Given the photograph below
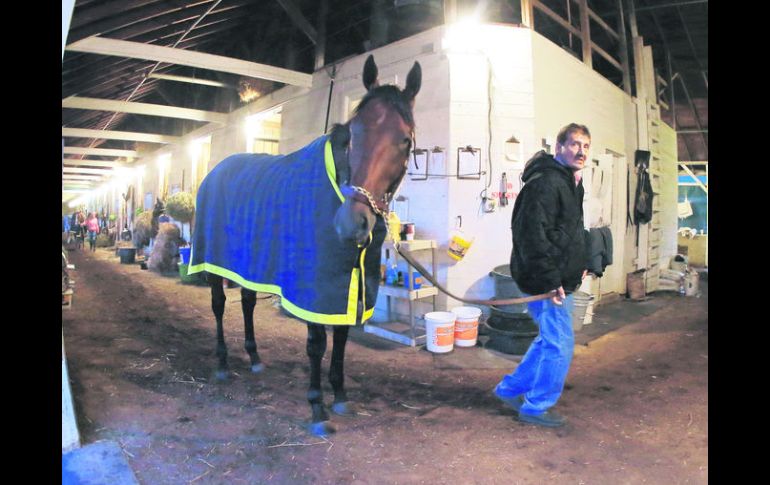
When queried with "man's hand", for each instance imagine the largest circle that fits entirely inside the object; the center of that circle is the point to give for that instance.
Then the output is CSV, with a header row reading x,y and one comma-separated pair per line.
x,y
559,297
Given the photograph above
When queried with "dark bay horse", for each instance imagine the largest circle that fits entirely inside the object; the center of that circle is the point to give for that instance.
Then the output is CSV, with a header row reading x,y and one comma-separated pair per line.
x,y
309,227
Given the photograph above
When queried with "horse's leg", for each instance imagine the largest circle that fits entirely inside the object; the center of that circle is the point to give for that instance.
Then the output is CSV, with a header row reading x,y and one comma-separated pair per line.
x,y
337,371
316,348
218,306
248,302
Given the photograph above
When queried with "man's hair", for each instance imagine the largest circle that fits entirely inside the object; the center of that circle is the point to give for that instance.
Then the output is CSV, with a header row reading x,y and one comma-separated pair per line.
x,y
571,128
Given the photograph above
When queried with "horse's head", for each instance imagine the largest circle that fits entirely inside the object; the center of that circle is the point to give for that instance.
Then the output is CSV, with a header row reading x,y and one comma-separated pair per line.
x,y
158,209
381,136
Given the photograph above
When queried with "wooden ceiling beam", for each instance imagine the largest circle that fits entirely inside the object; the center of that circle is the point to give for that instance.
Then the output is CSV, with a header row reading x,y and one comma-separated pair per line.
x,y
76,102
119,135
171,11
158,29
154,30
94,171
71,162
107,152
122,48
82,177
295,14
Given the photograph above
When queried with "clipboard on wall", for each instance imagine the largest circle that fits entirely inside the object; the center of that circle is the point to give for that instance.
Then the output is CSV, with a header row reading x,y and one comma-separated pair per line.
x,y
469,163
419,171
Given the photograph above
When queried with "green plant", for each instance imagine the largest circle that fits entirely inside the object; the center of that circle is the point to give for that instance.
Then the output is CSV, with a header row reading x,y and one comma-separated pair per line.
x,y
138,211
112,217
181,206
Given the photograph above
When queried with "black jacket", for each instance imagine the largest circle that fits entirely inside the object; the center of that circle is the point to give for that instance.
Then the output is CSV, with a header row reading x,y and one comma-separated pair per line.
x,y
598,249
547,228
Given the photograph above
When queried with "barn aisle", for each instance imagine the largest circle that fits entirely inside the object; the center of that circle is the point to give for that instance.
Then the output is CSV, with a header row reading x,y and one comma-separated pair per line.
x,y
140,350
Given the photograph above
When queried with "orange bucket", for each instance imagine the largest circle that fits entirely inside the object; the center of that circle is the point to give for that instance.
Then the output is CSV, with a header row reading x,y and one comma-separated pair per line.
x,y
466,325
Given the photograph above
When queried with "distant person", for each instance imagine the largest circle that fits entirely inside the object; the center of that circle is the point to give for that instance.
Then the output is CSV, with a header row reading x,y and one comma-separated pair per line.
x,y
548,255
76,226
92,226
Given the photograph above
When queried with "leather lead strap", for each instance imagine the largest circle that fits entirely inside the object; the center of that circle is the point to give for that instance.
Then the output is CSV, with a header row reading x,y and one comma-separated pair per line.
x,y
508,301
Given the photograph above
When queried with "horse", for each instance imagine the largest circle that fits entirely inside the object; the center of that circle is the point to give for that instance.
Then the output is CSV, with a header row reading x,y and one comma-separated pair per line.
x,y
157,210
309,227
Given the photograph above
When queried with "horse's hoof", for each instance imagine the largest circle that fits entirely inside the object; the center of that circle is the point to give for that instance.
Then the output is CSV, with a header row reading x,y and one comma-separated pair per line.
x,y
257,368
322,429
221,375
343,409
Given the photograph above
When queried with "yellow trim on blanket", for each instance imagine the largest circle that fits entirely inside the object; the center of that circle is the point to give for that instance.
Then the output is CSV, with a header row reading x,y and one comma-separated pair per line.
x,y
331,170
336,319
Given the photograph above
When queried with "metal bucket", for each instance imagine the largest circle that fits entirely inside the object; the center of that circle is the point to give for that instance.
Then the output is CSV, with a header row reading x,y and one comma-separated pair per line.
x,y
506,287
582,302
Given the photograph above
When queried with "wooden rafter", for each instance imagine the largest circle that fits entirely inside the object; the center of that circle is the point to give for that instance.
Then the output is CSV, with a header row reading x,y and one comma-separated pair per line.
x,y
143,109
173,12
71,162
124,48
119,135
295,14
107,152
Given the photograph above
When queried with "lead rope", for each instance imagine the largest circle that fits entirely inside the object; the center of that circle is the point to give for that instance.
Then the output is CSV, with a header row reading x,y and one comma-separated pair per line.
x,y
405,254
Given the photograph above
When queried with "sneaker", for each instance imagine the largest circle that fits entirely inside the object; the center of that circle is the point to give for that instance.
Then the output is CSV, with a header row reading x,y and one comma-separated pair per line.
x,y
549,419
513,401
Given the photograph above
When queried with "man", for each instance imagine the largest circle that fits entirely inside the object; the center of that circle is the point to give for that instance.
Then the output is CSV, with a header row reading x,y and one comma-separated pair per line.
x,y
548,255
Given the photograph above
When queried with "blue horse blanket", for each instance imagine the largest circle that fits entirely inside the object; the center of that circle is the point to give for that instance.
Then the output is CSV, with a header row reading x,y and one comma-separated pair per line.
x,y
266,222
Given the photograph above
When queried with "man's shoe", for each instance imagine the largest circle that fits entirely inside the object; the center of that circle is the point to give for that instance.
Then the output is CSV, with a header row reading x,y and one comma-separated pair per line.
x,y
549,419
513,401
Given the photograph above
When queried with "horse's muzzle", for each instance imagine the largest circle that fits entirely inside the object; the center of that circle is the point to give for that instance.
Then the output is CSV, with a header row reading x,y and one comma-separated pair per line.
x,y
354,221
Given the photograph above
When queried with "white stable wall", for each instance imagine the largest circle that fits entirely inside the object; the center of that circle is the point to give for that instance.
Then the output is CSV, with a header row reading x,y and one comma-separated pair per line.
x,y
492,63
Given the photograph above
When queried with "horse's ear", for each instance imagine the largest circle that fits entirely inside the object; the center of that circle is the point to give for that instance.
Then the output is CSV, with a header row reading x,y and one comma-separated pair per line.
x,y
413,82
370,74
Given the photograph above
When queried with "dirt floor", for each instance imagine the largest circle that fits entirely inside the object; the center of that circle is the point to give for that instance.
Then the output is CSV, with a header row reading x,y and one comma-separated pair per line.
x,y
140,350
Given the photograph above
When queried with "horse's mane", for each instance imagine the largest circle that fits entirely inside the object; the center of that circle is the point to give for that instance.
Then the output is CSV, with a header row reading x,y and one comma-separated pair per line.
x,y
391,95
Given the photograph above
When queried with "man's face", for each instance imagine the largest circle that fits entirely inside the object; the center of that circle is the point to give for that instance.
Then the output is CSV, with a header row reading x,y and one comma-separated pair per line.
x,y
574,152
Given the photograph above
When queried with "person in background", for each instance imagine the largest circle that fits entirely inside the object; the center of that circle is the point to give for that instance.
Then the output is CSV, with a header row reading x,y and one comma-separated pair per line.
x,y
65,228
548,255
92,226
77,228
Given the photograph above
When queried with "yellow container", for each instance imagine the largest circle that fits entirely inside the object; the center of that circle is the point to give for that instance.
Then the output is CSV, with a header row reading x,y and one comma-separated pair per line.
x,y
458,245
394,224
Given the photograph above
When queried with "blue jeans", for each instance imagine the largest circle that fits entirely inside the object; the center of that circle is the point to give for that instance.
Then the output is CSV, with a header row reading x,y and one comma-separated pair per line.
x,y
541,374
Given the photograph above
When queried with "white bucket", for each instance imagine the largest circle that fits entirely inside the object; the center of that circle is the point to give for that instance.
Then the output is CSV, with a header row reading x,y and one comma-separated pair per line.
x,y
466,325
439,331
